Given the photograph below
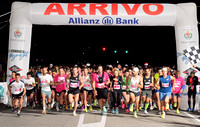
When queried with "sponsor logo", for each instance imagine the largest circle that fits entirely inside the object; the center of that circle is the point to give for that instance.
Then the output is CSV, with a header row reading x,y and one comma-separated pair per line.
x,y
189,70
21,55
188,35
15,68
17,33
107,20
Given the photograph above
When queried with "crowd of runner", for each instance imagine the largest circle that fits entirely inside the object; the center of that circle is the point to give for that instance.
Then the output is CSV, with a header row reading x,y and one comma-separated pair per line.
x,y
132,89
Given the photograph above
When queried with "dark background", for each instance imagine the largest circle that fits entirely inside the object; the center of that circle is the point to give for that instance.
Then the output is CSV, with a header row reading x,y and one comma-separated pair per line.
x,y
74,44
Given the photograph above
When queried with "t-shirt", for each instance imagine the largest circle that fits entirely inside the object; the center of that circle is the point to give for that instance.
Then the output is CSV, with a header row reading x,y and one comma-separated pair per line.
x,y
28,82
12,79
96,79
17,87
178,84
61,86
44,79
165,84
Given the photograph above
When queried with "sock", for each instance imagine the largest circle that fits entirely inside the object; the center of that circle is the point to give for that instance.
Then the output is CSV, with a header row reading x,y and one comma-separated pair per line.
x,y
150,103
53,101
167,106
189,103
146,106
44,108
194,104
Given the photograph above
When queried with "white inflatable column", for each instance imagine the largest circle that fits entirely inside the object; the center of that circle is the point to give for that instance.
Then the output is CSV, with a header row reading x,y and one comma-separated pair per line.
x,y
186,36
19,39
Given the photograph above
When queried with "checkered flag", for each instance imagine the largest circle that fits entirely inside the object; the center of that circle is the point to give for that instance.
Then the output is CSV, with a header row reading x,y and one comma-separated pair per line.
x,y
193,54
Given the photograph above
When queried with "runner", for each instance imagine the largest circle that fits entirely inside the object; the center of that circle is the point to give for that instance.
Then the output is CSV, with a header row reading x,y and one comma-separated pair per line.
x,y
109,72
135,85
75,85
87,90
46,80
17,90
125,90
165,87
10,80
53,73
116,91
192,82
157,94
30,91
60,83
100,82
179,88
146,88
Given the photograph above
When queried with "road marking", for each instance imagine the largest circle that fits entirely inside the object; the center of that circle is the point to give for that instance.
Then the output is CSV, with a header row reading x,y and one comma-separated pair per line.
x,y
192,116
97,124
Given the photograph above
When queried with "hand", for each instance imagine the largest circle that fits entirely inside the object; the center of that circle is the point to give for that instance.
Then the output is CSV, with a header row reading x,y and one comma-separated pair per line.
x,y
7,93
181,91
80,87
194,66
173,89
95,92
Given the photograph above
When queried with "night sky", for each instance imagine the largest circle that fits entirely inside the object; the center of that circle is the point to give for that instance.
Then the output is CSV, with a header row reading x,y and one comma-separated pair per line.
x,y
72,44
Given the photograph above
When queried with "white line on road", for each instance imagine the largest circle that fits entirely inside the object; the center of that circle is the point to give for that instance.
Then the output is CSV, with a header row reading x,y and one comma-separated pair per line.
x,y
97,124
192,116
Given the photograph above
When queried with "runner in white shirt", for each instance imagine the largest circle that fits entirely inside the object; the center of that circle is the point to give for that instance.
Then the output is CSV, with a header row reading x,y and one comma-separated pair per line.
x,y
46,80
30,91
87,90
18,90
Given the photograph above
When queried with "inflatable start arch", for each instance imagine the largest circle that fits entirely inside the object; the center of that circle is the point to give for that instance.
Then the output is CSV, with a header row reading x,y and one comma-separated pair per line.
x,y
182,16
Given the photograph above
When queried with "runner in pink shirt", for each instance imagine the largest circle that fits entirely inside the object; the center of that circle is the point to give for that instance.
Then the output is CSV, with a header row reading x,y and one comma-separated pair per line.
x,y
60,83
100,82
179,88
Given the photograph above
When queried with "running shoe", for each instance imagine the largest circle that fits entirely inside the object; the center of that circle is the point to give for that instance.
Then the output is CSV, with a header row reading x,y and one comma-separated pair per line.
x,y
74,113
193,110
49,108
113,111
127,110
163,115
18,114
123,106
177,111
82,107
102,112
117,111
43,112
90,109
104,109
135,114
170,106
151,107
189,109
85,110
145,112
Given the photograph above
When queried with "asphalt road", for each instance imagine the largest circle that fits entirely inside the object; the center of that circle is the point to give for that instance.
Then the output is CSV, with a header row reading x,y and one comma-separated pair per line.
x,y
33,118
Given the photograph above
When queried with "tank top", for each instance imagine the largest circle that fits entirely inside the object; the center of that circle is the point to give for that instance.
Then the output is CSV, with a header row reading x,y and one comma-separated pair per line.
x,y
124,83
133,87
165,84
147,82
86,81
74,81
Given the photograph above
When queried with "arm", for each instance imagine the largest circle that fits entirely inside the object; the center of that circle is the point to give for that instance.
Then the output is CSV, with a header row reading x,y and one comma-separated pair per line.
x,y
81,81
157,85
24,91
141,83
198,68
152,82
174,80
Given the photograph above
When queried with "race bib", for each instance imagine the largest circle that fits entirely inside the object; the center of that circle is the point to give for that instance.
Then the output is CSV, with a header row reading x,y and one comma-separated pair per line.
x,y
176,85
116,86
133,86
86,85
100,85
74,85
147,87
165,84
18,89
192,87
123,87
